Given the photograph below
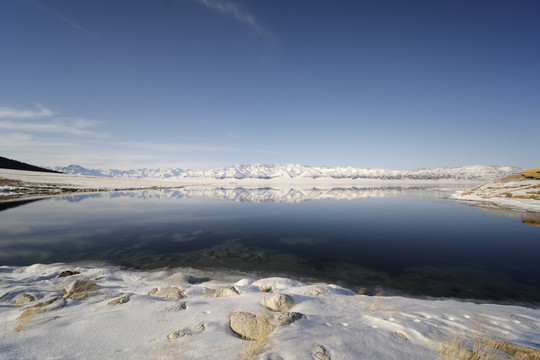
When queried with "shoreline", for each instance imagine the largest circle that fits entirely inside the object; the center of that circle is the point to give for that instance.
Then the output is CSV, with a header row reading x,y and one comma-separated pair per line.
x,y
26,185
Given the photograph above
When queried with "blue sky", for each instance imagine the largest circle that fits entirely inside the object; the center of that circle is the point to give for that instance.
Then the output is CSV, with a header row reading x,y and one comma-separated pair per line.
x,y
210,83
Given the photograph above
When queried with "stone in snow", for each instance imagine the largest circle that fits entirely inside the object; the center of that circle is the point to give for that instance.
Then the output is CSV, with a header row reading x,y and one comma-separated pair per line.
x,y
226,291
25,298
279,302
171,292
249,326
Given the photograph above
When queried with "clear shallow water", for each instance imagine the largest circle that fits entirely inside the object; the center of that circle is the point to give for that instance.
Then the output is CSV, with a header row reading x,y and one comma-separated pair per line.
x,y
408,240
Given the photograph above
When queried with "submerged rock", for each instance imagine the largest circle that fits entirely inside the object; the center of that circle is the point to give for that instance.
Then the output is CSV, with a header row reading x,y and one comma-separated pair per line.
x,y
279,302
249,326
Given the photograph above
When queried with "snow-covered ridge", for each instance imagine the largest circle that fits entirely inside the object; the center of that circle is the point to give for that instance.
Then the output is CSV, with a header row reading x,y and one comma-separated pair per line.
x,y
298,171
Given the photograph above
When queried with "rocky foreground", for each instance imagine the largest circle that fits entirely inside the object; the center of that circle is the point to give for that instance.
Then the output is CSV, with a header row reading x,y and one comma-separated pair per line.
x,y
82,312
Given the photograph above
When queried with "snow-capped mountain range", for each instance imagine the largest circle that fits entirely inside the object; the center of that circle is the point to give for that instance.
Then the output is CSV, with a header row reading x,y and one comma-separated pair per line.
x,y
298,171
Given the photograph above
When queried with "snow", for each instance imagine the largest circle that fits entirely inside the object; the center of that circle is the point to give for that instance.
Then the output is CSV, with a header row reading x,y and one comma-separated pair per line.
x,y
514,192
342,323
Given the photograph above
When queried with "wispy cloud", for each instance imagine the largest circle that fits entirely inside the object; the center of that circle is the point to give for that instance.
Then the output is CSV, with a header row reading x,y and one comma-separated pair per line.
x,y
181,148
37,137
28,141
75,25
232,9
78,126
7,112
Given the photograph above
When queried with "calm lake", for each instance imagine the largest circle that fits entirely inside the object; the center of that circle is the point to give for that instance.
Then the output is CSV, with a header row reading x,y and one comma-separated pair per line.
x,y
395,240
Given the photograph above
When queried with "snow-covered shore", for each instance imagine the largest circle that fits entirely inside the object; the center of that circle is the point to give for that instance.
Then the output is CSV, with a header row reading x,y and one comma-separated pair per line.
x,y
514,192
17,184
118,314
79,182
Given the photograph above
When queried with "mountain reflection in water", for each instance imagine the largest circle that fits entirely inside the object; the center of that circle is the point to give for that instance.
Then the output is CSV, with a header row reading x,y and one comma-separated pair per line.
x,y
270,194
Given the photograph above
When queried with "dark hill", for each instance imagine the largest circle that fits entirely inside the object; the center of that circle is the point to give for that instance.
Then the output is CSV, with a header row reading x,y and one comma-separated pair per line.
x,y
6,163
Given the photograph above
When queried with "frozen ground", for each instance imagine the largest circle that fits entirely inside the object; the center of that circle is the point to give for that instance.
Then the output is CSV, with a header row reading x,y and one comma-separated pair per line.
x,y
515,192
119,314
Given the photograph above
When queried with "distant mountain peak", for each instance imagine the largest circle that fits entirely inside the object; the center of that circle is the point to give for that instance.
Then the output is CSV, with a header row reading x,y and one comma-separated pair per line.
x,y
299,171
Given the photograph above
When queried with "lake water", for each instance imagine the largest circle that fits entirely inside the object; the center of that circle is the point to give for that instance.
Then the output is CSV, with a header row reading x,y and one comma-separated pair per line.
x,y
395,240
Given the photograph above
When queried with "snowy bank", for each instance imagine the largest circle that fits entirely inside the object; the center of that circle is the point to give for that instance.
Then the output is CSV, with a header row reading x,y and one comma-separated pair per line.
x,y
514,192
104,312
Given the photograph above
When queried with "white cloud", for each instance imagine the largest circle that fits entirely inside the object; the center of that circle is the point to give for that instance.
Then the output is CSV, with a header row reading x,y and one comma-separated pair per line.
x,y
6,112
234,10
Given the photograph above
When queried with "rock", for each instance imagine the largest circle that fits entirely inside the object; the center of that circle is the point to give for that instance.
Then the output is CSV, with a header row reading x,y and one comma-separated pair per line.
x,y
153,291
79,289
25,299
120,300
289,318
66,273
249,326
243,282
199,326
174,306
177,334
321,353
33,309
279,302
274,357
226,291
314,291
401,335
171,292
